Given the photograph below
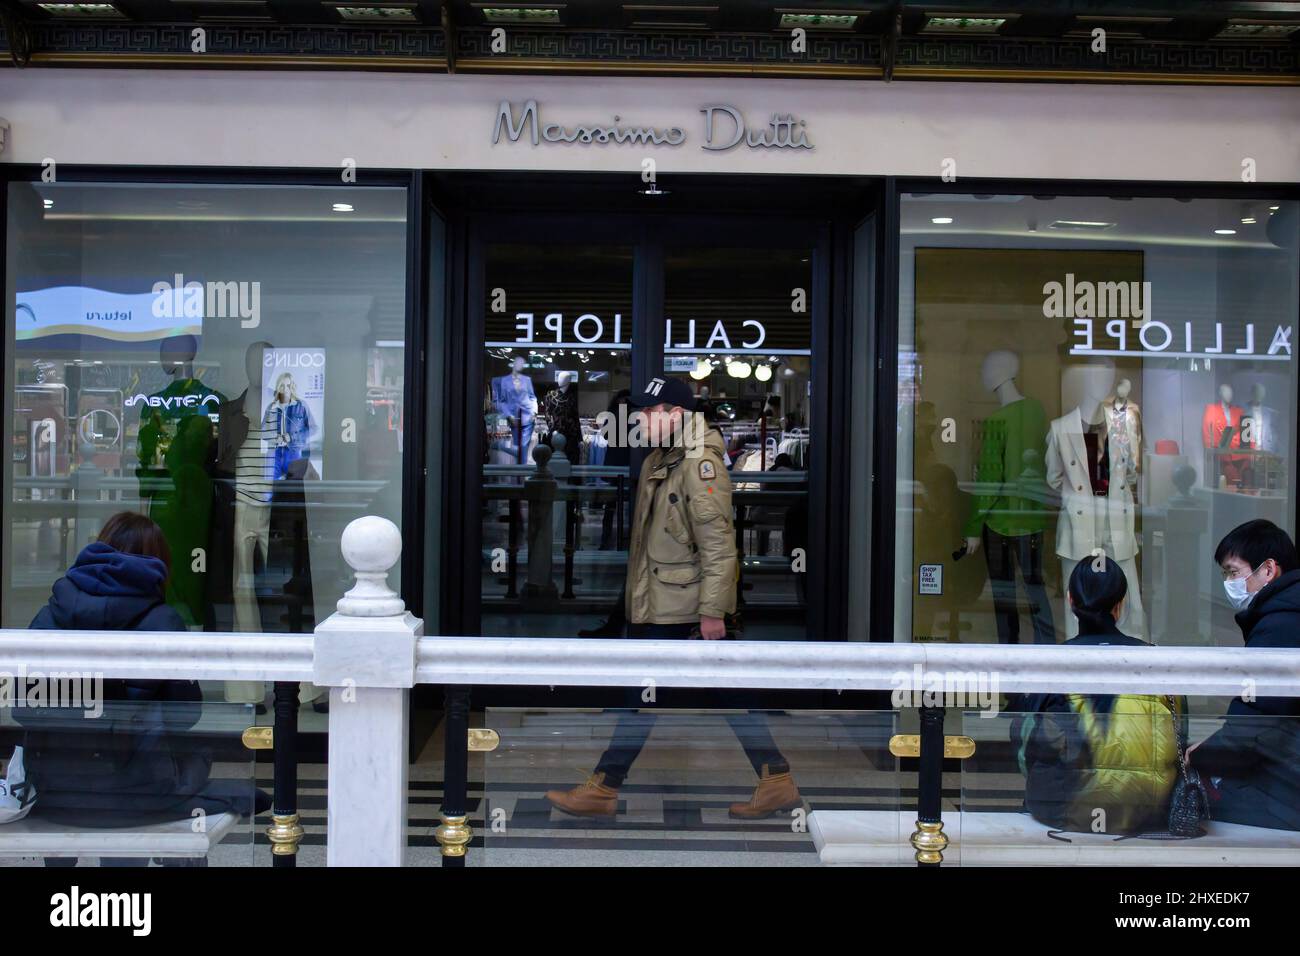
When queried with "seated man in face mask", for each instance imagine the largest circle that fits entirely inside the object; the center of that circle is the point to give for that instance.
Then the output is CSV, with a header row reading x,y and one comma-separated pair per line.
x,y
1253,762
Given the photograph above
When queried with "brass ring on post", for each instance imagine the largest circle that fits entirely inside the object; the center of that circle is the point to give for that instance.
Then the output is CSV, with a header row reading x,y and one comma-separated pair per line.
x,y
929,841
285,833
454,835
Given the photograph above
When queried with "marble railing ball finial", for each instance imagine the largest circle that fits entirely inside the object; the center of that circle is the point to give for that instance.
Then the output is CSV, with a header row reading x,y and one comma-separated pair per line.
x,y
542,454
371,546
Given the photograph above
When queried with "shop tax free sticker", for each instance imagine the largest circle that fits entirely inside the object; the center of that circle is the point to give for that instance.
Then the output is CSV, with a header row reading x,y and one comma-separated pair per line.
x,y
929,579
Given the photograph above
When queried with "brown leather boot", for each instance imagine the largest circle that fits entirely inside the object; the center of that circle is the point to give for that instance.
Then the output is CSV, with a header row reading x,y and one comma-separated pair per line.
x,y
775,793
589,799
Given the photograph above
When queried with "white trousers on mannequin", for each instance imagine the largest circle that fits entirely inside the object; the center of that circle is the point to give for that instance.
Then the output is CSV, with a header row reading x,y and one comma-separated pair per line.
x,y
253,532
1133,619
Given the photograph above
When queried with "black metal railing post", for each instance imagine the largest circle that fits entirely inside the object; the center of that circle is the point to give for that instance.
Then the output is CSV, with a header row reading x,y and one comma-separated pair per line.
x,y
929,839
454,834
285,831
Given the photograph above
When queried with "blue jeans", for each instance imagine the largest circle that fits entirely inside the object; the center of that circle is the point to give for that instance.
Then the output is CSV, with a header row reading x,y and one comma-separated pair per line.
x,y
634,728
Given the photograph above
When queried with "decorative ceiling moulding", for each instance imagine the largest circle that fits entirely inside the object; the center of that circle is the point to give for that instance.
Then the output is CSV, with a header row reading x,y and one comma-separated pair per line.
x,y
404,46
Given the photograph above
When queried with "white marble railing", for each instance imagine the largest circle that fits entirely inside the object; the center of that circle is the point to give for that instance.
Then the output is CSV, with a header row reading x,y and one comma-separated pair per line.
x,y
182,655
1207,671
372,652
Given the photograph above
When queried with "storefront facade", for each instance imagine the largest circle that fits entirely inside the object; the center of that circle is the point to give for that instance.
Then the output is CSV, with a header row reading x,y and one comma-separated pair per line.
x,y
258,305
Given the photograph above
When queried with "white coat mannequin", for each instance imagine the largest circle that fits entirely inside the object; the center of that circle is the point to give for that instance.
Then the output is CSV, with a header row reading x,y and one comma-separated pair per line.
x,y
998,374
1091,523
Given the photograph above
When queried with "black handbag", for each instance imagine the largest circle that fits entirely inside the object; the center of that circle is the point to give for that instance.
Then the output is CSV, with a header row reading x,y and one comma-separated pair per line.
x,y
1189,804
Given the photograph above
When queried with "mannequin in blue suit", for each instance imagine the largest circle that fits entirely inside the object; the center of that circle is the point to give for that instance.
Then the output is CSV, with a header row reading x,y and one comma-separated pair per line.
x,y
513,397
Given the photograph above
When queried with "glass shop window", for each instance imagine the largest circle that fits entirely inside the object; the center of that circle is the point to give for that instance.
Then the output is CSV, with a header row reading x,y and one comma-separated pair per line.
x,y
1082,376
225,359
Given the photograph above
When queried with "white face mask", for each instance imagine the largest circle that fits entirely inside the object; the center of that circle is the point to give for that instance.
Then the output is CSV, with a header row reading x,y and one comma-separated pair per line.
x,y
1238,596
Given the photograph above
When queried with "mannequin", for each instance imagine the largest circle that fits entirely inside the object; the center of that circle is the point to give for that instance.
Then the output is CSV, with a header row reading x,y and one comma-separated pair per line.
x,y
1259,433
1219,417
1124,419
513,397
1090,467
249,443
175,448
1007,515
1259,422
560,406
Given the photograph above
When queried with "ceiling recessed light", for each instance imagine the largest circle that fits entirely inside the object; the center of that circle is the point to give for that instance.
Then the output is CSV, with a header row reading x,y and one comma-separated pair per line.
x,y
49,204
1274,208
942,220
1080,224
1225,232
1248,220
343,207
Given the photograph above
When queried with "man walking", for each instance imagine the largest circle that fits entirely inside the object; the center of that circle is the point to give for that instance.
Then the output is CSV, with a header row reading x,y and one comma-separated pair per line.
x,y
682,572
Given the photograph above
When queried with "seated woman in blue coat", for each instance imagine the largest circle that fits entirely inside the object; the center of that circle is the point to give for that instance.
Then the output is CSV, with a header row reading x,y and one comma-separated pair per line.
x,y
132,764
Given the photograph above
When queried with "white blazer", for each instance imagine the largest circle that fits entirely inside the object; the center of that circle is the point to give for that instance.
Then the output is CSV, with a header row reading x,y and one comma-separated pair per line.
x,y
1085,518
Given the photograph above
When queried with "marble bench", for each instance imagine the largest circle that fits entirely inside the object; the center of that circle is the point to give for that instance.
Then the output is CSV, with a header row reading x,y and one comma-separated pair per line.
x,y
35,837
880,838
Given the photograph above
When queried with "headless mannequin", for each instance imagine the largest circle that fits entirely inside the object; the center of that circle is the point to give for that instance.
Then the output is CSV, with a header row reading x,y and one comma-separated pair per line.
x,y
1258,432
1008,519
1090,467
1256,408
560,406
514,398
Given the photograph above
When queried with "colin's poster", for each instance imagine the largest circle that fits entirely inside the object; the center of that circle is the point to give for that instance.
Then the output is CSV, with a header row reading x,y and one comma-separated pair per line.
x,y
293,407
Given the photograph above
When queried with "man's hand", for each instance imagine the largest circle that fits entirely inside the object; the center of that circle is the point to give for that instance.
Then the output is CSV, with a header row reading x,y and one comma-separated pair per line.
x,y
712,628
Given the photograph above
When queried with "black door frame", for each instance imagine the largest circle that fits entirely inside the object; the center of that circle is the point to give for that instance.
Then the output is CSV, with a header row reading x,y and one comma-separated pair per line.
x,y
826,227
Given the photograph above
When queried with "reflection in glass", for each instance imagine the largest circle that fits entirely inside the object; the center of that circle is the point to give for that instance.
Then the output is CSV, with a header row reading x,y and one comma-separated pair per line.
x,y
1081,376
225,359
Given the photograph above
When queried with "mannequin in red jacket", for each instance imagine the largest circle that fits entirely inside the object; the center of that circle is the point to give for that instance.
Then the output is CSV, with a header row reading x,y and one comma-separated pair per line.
x,y
1223,414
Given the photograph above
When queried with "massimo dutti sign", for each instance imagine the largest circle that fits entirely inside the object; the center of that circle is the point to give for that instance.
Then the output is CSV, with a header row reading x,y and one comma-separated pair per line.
x,y
722,127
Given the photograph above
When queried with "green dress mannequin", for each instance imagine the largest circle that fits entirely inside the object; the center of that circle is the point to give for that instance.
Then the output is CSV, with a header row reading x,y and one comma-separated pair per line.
x,y
176,450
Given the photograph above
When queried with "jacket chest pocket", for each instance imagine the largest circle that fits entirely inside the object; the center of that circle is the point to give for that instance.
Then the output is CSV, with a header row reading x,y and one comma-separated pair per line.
x,y
669,536
675,525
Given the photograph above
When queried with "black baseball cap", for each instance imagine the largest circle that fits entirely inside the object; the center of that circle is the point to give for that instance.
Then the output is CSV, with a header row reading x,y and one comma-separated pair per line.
x,y
661,391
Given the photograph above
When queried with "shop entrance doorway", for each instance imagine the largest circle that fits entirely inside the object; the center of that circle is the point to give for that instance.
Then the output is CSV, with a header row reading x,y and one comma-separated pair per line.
x,y
732,287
